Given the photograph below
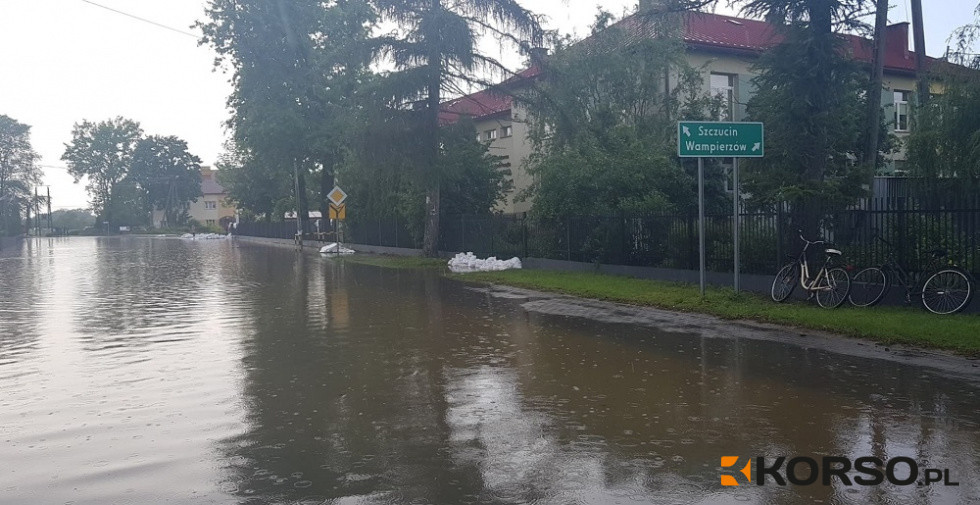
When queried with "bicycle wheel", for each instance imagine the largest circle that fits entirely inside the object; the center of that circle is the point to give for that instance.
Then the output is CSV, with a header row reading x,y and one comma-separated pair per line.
x,y
834,288
785,282
947,291
868,287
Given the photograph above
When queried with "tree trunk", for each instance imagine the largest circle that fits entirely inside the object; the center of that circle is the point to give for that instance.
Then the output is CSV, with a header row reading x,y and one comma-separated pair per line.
x,y
919,42
822,47
431,175
304,200
874,87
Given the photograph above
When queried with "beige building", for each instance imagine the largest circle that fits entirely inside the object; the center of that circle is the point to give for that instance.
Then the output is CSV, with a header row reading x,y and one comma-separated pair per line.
x,y
725,48
213,208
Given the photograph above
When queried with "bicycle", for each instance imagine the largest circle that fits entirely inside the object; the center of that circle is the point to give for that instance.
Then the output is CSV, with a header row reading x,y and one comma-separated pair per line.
x,y
947,289
830,286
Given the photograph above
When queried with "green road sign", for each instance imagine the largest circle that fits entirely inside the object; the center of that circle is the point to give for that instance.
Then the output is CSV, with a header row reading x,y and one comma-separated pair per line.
x,y
713,139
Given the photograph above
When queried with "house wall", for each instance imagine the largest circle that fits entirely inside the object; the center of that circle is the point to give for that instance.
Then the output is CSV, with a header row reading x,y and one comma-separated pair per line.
x,y
517,148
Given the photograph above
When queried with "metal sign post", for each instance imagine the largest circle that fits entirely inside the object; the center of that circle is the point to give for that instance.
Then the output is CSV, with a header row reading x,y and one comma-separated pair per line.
x,y
701,247
338,211
736,230
715,139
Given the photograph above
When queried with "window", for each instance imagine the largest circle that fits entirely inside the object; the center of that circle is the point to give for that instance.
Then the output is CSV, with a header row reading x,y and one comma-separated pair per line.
x,y
508,131
723,89
490,134
902,109
209,222
210,204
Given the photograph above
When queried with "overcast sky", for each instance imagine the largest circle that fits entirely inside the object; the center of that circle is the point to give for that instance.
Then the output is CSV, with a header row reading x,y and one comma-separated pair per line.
x,y
67,60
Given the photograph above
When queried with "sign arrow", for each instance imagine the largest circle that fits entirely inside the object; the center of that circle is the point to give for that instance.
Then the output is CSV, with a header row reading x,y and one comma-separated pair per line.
x,y
687,132
756,146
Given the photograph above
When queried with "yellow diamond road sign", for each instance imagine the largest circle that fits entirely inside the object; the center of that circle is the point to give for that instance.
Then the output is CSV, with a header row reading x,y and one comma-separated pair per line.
x,y
337,195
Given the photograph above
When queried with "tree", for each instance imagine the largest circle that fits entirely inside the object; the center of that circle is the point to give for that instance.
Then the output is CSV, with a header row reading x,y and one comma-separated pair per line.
x,y
436,50
945,145
18,172
603,126
810,96
72,219
168,174
103,152
253,184
473,180
296,66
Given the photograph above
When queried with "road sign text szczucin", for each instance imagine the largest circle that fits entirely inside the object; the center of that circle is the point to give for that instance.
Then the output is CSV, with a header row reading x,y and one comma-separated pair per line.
x,y
712,139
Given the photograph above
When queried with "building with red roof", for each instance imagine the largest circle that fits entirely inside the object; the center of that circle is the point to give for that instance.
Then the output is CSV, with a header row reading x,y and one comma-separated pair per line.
x,y
726,48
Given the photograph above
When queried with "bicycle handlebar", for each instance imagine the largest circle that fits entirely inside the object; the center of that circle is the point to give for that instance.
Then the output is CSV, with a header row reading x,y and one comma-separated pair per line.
x,y
810,242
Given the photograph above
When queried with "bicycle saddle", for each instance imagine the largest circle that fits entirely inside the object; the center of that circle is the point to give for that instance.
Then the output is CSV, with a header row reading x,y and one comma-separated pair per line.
x,y
833,252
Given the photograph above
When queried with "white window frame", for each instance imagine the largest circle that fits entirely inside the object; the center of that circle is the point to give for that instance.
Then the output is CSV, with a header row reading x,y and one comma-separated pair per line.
x,y
210,205
727,93
901,101
490,134
508,131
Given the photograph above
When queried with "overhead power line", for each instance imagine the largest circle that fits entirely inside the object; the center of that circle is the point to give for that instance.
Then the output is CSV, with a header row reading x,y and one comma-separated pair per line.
x,y
154,23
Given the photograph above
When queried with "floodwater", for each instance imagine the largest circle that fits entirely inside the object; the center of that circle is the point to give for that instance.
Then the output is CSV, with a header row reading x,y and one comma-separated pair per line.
x,y
153,371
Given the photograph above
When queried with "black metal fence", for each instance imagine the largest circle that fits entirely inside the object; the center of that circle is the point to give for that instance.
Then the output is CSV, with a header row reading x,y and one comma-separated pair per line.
x,y
282,229
671,240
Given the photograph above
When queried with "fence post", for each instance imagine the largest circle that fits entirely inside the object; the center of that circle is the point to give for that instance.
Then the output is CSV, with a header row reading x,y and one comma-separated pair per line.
x,y
779,234
902,232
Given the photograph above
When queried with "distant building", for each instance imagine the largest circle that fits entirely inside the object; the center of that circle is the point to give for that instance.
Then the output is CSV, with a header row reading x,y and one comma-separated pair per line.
x,y
213,208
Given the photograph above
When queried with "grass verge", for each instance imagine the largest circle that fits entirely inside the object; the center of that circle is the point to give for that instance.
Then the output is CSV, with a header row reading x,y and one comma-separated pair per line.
x,y
388,261
888,325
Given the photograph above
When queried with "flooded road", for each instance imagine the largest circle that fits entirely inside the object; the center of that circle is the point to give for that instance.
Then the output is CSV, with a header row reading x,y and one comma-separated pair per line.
x,y
150,371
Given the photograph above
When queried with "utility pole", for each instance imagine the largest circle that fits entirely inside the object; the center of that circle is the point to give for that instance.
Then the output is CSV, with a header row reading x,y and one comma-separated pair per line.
x,y
877,75
37,214
299,222
50,222
919,41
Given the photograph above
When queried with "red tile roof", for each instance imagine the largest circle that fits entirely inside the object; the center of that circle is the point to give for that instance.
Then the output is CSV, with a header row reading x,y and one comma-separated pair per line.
x,y
485,103
706,31
714,31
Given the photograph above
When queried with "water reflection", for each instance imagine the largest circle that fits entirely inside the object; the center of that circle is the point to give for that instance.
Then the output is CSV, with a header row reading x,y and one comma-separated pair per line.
x,y
227,372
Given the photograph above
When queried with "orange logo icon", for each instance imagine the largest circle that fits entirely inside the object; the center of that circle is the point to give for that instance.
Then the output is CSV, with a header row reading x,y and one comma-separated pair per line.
x,y
731,462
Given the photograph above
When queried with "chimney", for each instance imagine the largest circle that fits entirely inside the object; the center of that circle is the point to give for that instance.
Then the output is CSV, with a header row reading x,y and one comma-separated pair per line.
x,y
537,56
898,35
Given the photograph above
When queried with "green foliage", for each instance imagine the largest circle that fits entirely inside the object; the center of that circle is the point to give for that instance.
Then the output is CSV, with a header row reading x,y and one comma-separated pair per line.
x,y
473,181
103,152
436,49
810,99
19,173
128,205
297,66
384,184
810,95
944,145
168,174
256,186
72,219
603,126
